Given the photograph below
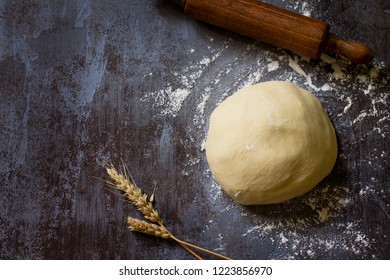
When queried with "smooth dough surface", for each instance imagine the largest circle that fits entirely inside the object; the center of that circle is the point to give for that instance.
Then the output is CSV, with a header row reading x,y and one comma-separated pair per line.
x,y
270,142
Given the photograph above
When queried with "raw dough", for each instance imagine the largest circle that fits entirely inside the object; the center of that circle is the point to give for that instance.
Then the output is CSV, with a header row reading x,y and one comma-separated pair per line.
x,y
270,142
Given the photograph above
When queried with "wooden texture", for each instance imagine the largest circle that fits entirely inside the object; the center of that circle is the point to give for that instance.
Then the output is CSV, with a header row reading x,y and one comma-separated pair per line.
x,y
113,80
264,22
276,26
354,51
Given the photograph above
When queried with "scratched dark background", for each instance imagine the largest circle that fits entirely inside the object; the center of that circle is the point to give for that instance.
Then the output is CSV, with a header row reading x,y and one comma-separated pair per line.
x,y
80,81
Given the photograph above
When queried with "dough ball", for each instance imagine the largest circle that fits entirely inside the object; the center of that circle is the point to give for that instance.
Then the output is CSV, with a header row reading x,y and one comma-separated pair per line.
x,y
270,142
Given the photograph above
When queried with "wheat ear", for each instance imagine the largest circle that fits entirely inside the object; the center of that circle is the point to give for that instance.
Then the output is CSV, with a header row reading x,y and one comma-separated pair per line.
x,y
156,230
161,231
148,228
125,183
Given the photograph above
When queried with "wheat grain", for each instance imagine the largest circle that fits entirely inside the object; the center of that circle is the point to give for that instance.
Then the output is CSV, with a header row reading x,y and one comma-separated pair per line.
x,y
158,231
124,183
148,228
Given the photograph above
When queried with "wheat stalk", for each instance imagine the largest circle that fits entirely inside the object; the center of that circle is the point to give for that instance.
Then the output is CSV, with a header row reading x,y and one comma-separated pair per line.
x,y
160,231
124,182
155,230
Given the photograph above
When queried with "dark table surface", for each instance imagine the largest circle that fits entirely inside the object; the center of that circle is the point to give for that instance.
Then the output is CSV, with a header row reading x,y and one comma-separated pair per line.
x,y
136,80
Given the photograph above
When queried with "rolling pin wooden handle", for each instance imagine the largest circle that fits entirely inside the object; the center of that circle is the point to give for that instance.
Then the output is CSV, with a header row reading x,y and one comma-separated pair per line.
x,y
354,51
275,26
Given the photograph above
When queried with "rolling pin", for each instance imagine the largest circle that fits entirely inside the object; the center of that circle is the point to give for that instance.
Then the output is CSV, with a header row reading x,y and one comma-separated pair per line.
x,y
276,26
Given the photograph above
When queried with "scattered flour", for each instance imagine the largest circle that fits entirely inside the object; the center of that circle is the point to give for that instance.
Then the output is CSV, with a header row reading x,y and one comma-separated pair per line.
x,y
348,106
305,9
357,99
272,65
328,204
283,240
170,100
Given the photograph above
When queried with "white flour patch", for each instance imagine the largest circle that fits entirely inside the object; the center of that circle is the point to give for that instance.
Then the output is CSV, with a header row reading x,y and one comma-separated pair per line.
x,y
326,206
272,65
283,239
348,106
295,66
306,10
199,119
170,100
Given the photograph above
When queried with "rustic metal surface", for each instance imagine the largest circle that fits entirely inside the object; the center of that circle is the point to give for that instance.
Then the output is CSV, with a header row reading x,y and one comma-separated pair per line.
x,y
136,81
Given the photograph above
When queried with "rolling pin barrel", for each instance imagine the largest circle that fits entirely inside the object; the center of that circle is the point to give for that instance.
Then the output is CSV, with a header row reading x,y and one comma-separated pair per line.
x,y
279,27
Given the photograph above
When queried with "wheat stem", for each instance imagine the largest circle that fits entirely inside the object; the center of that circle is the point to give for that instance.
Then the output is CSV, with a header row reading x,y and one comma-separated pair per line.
x,y
155,230
190,251
199,248
161,231
125,183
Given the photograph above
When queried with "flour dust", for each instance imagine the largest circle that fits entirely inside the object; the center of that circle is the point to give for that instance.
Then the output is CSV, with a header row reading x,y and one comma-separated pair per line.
x,y
356,98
